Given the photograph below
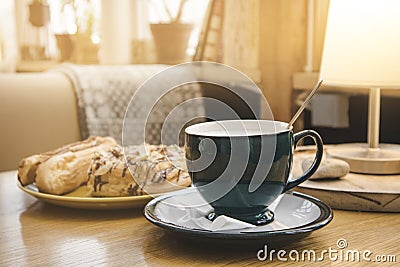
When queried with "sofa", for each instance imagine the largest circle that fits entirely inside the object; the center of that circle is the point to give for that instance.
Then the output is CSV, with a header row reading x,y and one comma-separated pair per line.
x,y
40,112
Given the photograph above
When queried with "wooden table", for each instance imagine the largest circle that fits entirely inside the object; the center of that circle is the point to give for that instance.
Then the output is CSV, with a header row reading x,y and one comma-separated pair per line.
x,y
33,233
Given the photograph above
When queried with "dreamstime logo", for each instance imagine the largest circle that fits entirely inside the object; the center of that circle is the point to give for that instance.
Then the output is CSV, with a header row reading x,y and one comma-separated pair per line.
x,y
341,243
184,94
341,253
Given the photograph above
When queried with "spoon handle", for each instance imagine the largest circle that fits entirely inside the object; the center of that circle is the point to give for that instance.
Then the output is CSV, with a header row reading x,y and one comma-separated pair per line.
x,y
305,103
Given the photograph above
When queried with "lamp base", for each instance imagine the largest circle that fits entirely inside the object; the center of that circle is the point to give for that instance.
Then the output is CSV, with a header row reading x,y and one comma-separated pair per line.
x,y
362,159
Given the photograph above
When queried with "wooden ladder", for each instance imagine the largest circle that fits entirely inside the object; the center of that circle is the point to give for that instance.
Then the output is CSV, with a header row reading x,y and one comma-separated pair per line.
x,y
209,47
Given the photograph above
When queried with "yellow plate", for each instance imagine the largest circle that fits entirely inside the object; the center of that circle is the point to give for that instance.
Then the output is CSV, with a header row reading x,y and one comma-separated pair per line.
x,y
94,203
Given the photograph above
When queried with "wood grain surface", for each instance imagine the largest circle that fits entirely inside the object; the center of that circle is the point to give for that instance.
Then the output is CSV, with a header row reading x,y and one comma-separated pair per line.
x,y
33,233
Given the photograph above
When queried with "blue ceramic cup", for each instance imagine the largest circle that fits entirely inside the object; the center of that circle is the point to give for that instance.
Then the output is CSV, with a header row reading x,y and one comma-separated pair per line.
x,y
241,166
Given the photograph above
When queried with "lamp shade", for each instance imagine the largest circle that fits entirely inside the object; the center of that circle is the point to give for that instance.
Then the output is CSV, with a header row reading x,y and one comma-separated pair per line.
x,y
362,44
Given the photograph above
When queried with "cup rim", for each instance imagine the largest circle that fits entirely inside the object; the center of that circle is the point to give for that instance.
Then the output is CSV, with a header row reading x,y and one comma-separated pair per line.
x,y
280,127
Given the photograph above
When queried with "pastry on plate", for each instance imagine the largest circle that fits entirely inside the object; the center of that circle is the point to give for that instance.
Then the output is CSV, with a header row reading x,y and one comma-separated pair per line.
x,y
139,170
62,170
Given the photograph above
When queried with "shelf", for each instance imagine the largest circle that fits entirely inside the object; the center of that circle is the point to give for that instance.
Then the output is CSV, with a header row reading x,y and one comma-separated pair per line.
x,y
35,66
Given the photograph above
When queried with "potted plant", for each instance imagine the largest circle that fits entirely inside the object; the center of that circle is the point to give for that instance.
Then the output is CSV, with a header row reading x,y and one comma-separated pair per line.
x,y
171,38
39,13
77,45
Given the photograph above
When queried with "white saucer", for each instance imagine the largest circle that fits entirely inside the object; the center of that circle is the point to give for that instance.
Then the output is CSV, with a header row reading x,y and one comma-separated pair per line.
x,y
296,215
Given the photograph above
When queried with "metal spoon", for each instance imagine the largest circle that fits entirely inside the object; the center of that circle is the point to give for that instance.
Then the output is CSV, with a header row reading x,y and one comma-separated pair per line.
x,y
305,103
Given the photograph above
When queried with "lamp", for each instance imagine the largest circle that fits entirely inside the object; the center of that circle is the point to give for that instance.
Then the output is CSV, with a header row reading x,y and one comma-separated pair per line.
x,y
361,50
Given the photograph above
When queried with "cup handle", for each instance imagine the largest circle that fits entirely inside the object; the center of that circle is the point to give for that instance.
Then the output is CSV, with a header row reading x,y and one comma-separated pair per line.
x,y
317,160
